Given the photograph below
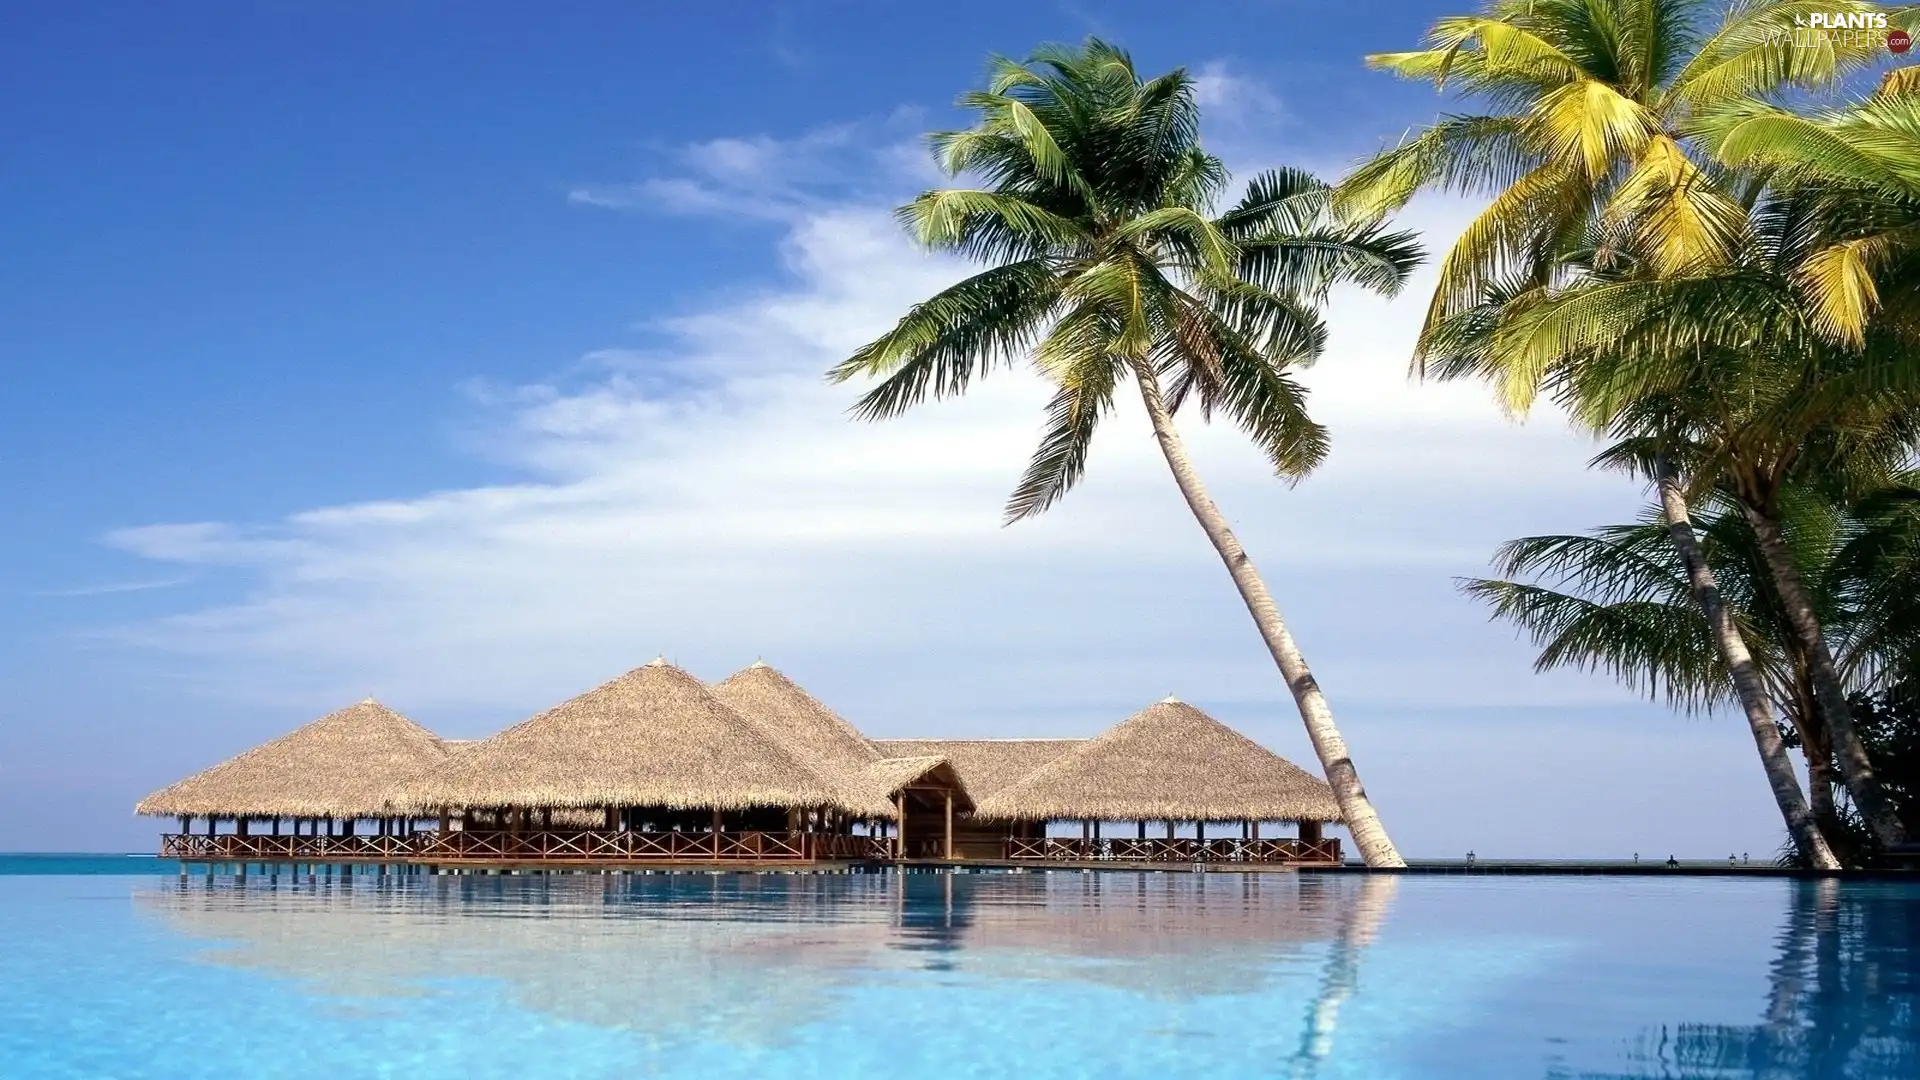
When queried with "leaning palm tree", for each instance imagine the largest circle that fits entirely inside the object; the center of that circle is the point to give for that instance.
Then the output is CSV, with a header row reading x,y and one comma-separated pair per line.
x,y
1622,599
1590,110
1106,262
1617,599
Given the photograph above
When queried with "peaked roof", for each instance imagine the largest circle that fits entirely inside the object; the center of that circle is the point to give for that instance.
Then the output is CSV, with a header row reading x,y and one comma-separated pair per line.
x,y
819,736
652,737
343,764
984,765
1169,760
889,775
796,717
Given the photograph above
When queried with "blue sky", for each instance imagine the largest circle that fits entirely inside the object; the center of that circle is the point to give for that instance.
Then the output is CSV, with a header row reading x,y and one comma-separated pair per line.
x,y
466,355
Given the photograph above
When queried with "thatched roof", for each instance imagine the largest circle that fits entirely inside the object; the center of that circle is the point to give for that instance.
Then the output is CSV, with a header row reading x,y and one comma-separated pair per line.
x,y
652,737
889,775
983,765
1170,760
762,694
341,765
819,736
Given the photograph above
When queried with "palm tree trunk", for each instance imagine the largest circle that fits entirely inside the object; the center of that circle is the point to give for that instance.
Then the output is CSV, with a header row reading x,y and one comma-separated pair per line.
x,y
1362,821
1801,824
1815,745
1849,754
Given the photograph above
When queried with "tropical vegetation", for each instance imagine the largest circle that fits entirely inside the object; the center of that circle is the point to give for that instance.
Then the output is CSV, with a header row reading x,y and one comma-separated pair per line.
x,y
1700,240
1734,311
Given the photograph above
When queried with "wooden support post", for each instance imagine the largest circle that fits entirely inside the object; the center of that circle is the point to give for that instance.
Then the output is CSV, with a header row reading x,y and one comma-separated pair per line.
x,y
1200,830
446,820
900,830
1143,828
1310,832
949,823
1096,830
1169,828
1086,830
213,824
546,817
1256,830
276,826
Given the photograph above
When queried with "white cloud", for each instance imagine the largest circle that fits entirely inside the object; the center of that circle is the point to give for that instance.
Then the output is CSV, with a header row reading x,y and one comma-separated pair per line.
x,y
711,497
760,177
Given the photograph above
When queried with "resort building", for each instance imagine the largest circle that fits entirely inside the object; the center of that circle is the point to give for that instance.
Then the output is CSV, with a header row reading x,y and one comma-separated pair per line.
x,y
655,767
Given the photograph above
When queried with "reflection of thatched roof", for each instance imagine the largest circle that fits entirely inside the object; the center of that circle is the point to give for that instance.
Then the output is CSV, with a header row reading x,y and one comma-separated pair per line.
x,y
652,737
341,765
1170,760
983,765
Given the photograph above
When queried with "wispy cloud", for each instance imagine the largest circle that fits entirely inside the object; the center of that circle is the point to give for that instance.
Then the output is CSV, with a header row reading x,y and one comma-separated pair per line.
x,y
761,177
712,497
112,588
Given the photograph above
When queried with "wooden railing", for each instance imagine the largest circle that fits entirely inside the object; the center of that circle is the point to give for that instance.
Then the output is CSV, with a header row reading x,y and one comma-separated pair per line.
x,y
852,848
258,846
1177,850
535,845
591,845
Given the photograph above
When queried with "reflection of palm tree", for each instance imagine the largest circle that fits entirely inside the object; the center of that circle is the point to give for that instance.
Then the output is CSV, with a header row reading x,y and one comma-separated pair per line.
x,y
1844,1000
1341,976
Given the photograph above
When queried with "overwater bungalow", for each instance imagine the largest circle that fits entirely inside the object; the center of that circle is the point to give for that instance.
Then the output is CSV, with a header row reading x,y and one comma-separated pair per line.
x,y
655,767
1169,765
318,781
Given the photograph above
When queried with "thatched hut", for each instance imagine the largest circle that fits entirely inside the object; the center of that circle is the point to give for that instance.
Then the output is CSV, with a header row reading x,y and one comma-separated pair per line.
x,y
654,739
922,793
341,766
984,765
1169,762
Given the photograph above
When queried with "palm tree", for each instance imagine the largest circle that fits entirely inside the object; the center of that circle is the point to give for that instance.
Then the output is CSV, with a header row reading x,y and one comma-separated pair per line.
x,y
1594,103
1619,599
1106,262
1627,600
1724,371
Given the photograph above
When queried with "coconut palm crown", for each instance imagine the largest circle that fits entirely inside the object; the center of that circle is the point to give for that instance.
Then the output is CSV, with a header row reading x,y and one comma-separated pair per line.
x,y
1108,261
1594,111
1863,160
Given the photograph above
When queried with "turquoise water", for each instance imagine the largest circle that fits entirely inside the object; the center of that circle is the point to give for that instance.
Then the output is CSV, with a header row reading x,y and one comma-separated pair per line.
x,y
155,974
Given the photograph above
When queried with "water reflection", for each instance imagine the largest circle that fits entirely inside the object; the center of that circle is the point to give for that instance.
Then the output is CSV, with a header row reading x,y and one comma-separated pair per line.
x,y
1842,1001
747,959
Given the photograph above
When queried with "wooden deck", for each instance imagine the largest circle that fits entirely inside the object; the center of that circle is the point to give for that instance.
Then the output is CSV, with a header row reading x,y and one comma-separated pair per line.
x,y
595,846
